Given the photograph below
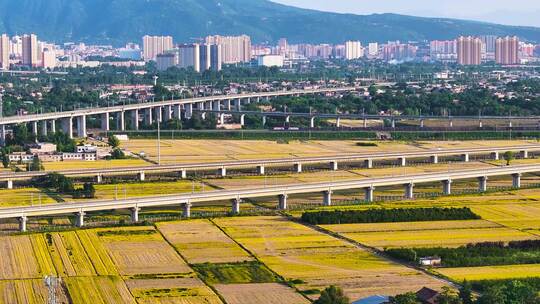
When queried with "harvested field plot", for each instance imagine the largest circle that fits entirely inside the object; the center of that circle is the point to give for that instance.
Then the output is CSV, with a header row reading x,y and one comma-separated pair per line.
x,y
27,291
100,164
172,291
200,241
230,273
141,250
24,257
429,234
491,272
519,216
112,191
23,197
295,251
69,255
97,290
269,293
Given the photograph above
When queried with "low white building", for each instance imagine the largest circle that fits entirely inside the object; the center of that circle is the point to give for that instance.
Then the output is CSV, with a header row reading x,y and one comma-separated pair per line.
x,y
270,61
86,149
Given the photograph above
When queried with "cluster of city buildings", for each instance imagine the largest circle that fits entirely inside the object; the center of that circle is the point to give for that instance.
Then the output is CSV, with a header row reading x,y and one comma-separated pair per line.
x,y
211,52
46,152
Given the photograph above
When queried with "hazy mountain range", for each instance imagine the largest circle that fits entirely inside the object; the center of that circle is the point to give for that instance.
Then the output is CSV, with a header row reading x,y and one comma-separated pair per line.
x,y
120,21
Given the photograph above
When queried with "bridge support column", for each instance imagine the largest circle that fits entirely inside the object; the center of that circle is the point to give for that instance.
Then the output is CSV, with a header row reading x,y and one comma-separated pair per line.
x,y
282,202
228,104
105,122
298,167
393,123
482,183
402,161
516,180
334,165
35,128
409,191
338,122
99,178
368,163
67,126
243,120
135,214
22,223
188,111
148,116
141,176
203,115
9,183
168,112
447,187
238,104
222,171
236,206
79,219
494,155
369,194
186,210
216,105
264,121
44,129
221,119
183,174
327,198
3,135
422,123
451,124
524,154
81,126
465,157
365,123
177,111
312,122
288,119
53,126
135,119
158,114
121,121
260,169
434,159
480,124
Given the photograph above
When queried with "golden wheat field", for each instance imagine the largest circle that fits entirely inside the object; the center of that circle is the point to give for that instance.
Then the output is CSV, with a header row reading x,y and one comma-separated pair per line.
x,y
187,290
491,272
263,293
200,241
295,251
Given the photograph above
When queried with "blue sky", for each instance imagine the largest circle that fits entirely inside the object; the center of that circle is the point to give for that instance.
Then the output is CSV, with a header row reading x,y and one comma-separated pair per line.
x,y
520,12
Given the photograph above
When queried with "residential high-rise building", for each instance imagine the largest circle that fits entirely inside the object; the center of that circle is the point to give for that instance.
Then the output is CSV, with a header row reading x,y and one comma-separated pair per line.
x,y
155,45
353,50
211,57
489,42
166,60
526,49
4,52
234,49
48,58
397,51
189,55
16,47
469,50
30,51
445,50
506,50
373,49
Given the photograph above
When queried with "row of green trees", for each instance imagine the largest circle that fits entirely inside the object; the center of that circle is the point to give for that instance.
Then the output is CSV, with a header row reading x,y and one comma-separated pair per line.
x,y
480,254
388,215
64,185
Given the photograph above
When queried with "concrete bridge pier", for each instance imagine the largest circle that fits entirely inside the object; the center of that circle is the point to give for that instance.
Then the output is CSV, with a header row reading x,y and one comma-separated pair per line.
x,y
158,117
79,219
148,118
22,223
105,122
312,122
369,194
221,119
298,167
451,124
480,124
236,206
9,183
120,121
99,178
44,129
168,112
135,119
368,163
465,157
3,135
327,198
264,121
524,154
402,161
186,210
222,172
81,126
238,104
188,111
482,183
203,115
228,104
393,123
422,123
53,126
183,174
516,180
288,119
409,191
282,202
67,126
365,123
35,128
434,159
216,105
135,214
142,176
260,170
177,111
334,165
243,120
338,122
447,187
494,155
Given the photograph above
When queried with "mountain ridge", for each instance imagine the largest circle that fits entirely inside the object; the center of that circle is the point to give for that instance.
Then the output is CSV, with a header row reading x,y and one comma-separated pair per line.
x,y
120,21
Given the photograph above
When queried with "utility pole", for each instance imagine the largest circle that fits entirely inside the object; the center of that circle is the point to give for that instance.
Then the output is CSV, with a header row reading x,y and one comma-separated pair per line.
x,y
159,142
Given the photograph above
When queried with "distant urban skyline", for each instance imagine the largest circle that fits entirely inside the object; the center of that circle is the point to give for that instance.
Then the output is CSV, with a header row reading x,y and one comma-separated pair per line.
x,y
521,12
